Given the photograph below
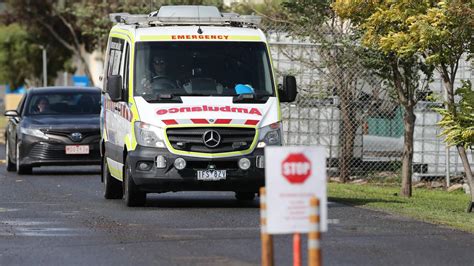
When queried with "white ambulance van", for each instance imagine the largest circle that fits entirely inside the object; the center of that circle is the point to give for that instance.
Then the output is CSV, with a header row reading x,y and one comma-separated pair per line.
x,y
189,104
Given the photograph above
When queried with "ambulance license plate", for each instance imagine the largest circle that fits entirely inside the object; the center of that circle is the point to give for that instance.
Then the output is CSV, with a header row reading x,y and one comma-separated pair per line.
x,y
77,149
211,175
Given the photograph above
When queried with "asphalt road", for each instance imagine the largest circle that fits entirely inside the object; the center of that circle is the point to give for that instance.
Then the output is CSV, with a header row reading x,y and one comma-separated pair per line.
x,y
58,217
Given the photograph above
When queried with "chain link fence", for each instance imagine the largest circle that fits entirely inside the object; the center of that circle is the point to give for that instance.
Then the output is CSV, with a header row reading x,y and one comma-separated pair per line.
x,y
353,113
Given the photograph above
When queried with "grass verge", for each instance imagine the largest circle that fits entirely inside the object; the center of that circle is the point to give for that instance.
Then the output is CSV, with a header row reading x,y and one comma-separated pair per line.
x,y
3,122
429,205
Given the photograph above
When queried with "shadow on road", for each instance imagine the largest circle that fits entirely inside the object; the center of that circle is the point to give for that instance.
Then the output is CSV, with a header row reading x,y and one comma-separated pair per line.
x,y
360,202
198,202
76,170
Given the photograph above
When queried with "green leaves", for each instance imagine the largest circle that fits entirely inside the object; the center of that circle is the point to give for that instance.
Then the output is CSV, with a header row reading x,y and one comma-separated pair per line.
x,y
458,126
20,59
435,28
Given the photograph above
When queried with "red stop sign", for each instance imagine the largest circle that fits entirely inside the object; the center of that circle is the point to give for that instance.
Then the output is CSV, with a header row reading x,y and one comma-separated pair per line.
x,y
296,168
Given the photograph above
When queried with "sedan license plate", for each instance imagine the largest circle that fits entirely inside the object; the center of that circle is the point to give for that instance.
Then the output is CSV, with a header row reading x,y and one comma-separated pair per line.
x,y
77,149
211,175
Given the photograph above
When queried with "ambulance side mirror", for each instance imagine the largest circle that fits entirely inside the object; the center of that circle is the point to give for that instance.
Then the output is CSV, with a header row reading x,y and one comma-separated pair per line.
x,y
114,88
288,91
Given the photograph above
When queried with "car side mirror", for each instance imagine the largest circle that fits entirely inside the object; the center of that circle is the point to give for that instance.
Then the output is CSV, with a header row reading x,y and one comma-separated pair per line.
x,y
12,113
114,88
288,91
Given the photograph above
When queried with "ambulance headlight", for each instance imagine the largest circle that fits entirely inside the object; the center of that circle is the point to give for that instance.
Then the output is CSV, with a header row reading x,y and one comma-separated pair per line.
x,y
270,135
148,135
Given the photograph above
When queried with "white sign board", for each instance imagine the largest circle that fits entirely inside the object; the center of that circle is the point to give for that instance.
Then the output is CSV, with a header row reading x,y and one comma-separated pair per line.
x,y
293,174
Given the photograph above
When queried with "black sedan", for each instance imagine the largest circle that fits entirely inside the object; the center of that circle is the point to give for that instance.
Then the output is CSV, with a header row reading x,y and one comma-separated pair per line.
x,y
54,126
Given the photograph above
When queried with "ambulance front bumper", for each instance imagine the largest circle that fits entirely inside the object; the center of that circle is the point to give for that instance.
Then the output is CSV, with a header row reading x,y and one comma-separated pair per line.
x,y
152,175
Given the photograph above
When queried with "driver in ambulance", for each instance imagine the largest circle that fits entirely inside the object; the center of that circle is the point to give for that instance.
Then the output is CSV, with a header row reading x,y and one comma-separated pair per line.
x,y
157,79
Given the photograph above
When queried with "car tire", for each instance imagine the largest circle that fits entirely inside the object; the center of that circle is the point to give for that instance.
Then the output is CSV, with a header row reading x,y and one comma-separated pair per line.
x,y
21,169
11,167
245,196
132,196
112,187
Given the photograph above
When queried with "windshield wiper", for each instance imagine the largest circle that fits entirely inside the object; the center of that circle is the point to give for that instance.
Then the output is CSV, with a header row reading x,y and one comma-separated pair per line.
x,y
163,98
194,94
251,98
176,98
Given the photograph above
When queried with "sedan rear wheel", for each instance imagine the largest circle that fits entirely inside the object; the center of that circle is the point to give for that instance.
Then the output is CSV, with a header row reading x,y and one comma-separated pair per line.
x,y
20,168
132,196
11,167
112,187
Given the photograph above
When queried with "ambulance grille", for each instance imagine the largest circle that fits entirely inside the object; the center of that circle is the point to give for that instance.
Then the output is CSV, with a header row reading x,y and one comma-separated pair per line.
x,y
192,139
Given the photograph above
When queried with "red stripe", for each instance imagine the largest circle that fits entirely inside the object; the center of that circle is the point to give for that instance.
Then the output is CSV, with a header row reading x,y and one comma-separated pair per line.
x,y
222,121
200,121
170,122
251,122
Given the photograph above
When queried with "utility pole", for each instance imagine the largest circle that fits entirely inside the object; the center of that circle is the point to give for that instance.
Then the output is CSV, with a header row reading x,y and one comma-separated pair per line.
x,y
45,68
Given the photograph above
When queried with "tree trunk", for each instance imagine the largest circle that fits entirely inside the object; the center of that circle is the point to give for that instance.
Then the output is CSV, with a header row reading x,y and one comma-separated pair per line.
x,y
449,87
347,130
347,136
468,171
407,159
75,47
343,82
86,66
449,92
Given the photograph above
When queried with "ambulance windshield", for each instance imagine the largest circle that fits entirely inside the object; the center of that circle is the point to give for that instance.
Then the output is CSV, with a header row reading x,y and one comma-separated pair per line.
x,y
202,68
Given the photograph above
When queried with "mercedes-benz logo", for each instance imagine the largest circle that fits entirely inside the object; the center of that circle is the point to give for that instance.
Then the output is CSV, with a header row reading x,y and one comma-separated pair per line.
x,y
211,138
76,136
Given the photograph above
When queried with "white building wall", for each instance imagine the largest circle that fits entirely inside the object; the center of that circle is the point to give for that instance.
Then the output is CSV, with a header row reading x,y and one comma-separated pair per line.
x,y
429,150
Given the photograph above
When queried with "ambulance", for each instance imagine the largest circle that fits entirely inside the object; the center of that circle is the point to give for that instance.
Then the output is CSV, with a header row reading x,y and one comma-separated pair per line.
x,y
189,104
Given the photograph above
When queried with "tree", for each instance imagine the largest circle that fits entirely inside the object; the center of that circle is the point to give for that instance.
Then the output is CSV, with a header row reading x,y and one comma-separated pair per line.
x,y
80,27
20,58
269,9
17,56
338,62
383,24
439,31
459,127
48,27
443,34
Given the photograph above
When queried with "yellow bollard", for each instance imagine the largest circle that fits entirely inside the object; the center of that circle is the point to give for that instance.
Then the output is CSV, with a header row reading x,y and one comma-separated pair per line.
x,y
267,241
314,236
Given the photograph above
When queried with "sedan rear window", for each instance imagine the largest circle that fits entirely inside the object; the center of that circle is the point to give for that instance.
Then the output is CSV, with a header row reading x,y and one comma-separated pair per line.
x,y
71,103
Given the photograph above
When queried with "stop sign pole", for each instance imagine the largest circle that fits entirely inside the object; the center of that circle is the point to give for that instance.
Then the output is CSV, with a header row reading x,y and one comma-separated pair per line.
x,y
296,168
294,177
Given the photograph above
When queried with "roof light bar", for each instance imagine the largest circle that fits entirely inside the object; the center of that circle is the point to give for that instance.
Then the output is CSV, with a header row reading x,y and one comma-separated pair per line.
x,y
188,21
231,19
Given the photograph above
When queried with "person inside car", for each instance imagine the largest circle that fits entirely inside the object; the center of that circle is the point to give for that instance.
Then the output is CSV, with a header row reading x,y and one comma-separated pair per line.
x,y
158,78
41,105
